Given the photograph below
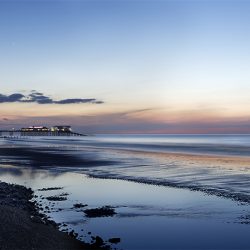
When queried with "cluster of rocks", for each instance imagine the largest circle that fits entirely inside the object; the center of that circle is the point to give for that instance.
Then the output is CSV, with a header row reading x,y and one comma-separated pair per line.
x,y
19,198
96,241
100,212
60,197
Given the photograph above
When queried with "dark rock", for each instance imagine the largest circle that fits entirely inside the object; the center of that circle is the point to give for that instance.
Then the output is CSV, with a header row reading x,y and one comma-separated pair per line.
x,y
114,240
72,234
100,212
50,189
98,241
79,205
56,198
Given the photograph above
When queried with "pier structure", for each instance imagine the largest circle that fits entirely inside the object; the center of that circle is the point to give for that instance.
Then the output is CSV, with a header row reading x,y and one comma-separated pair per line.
x,y
40,131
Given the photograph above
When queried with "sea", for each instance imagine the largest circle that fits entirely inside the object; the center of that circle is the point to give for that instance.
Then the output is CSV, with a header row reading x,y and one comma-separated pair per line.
x,y
168,191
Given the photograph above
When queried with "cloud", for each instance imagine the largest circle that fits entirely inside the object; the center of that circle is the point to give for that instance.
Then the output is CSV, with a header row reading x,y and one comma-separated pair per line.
x,y
77,100
40,98
11,98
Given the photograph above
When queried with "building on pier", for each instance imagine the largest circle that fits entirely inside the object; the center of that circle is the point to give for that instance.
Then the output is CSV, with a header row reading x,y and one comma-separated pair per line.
x,y
43,131
35,129
61,129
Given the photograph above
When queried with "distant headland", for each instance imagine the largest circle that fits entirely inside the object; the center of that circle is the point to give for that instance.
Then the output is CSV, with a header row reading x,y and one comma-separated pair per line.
x,y
40,131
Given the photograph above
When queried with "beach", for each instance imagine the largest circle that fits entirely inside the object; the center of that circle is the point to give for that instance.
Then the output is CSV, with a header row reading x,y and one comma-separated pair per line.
x,y
154,197
23,227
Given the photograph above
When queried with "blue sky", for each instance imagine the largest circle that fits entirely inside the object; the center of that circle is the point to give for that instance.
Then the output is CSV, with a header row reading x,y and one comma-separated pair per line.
x,y
156,65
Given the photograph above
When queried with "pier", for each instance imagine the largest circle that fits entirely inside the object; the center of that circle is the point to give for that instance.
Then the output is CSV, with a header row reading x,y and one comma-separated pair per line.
x,y
40,131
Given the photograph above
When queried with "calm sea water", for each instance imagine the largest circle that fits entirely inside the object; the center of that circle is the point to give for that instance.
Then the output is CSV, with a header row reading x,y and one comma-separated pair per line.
x,y
167,214
198,144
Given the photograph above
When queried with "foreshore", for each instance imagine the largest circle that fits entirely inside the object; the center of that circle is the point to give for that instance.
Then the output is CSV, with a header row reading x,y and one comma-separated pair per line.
x,y
116,204
23,227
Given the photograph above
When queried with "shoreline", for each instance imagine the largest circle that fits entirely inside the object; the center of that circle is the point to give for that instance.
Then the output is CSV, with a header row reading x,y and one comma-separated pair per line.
x,y
140,180
47,158
24,227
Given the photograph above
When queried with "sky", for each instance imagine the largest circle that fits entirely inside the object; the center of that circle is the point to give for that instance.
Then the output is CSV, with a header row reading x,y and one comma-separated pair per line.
x,y
152,66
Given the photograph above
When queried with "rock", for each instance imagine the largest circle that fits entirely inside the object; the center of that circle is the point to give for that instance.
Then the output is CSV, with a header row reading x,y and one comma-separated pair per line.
x,y
98,241
50,189
100,212
79,205
56,198
72,234
114,240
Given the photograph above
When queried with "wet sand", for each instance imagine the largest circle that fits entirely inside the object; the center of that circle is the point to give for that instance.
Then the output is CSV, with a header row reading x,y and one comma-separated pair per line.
x,y
212,174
